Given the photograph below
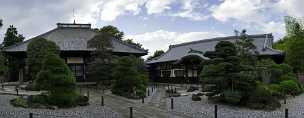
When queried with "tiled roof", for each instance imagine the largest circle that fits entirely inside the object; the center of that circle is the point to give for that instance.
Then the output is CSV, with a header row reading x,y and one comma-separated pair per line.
x,y
74,37
263,42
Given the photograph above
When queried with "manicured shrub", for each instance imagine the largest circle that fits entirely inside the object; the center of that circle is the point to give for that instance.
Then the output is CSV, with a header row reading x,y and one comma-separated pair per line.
x,y
64,99
40,99
19,102
261,98
275,90
128,80
37,50
290,87
57,79
232,97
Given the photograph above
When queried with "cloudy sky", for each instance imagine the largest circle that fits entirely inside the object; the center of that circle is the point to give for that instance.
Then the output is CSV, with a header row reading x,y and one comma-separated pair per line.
x,y
154,23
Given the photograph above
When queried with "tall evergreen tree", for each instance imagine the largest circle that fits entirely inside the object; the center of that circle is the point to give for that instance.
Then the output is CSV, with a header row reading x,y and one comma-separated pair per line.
x,y
56,77
129,77
224,70
37,51
246,49
12,37
100,68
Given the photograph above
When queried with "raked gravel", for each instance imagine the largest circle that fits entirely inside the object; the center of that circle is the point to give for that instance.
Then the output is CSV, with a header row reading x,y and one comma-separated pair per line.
x,y
90,111
205,109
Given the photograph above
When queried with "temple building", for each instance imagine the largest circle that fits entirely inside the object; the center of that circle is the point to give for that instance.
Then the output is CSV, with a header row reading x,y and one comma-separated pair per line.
x,y
182,62
72,40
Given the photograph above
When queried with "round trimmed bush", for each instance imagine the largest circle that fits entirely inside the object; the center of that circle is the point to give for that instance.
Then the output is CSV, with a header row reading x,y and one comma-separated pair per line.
x,y
261,98
275,90
290,87
57,79
232,97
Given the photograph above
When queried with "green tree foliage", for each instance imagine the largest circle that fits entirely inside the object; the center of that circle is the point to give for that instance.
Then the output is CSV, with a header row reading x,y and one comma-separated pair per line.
x,y
117,34
12,37
157,53
282,44
292,44
130,41
224,69
290,87
293,27
246,49
128,80
100,67
112,30
295,53
56,77
37,51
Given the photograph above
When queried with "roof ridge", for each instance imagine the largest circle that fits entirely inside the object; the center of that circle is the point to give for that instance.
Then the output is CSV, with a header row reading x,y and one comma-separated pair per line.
x,y
219,38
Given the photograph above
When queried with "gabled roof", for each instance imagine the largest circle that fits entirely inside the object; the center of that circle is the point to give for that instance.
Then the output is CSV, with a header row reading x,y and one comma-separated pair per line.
x,y
74,37
263,43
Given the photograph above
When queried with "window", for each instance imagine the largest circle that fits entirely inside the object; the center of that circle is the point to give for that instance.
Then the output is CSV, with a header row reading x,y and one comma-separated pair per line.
x,y
77,70
192,73
165,73
179,72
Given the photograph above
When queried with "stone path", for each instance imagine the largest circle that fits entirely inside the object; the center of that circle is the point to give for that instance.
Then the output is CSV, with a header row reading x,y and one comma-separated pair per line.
x,y
11,91
146,110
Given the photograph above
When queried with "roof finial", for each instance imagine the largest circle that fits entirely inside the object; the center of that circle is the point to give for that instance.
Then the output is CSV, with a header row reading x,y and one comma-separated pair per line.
x,y
74,16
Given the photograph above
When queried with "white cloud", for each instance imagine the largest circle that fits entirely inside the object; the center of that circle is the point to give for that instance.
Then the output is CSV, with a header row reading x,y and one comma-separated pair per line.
x,y
252,14
161,39
244,10
188,10
274,27
111,9
291,7
158,6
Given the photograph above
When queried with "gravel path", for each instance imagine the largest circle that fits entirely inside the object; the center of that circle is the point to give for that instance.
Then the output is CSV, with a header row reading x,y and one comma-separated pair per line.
x,y
155,106
205,109
146,110
91,111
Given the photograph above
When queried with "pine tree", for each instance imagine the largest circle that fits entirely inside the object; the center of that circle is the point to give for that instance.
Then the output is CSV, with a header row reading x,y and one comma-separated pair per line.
x,y
246,49
56,77
37,51
12,37
128,80
100,68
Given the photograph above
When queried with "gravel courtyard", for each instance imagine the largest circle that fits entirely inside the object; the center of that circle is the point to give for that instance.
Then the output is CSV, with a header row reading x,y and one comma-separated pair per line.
x,y
205,109
157,105
91,111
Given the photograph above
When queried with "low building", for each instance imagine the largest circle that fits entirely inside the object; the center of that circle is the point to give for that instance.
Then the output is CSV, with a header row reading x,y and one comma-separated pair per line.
x,y
72,40
181,63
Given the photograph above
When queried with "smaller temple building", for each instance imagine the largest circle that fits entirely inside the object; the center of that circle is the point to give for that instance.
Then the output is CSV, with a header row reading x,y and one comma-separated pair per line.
x,y
182,62
72,40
